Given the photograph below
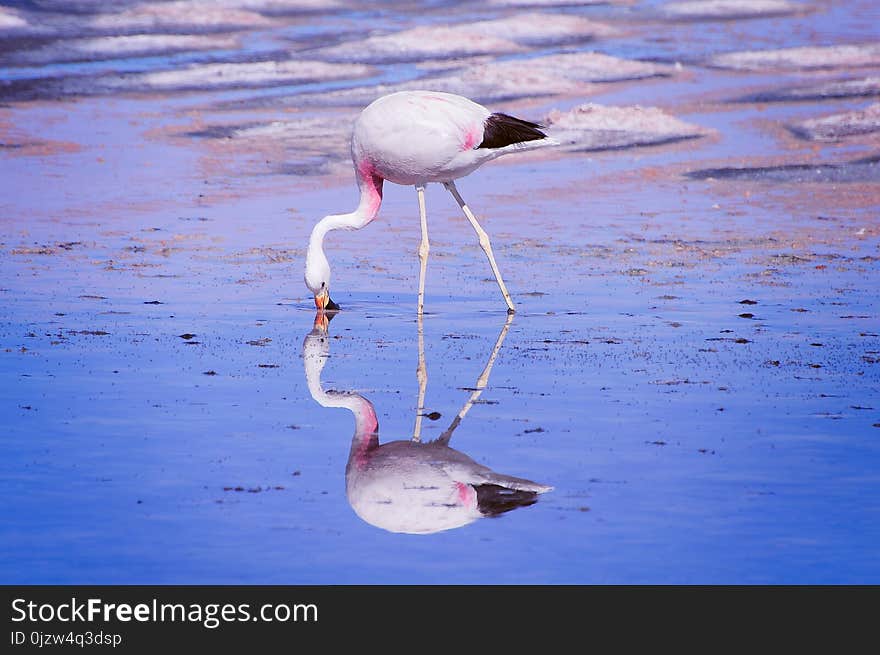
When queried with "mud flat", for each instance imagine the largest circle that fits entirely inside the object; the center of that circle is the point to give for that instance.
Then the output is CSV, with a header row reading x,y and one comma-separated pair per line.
x,y
729,9
860,170
597,127
137,45
804,58
490,81
840,126
195,77
183,15
863,87
467,39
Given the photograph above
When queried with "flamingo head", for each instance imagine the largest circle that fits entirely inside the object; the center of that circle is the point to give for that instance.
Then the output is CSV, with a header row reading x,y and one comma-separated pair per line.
x,y
324,303
317,279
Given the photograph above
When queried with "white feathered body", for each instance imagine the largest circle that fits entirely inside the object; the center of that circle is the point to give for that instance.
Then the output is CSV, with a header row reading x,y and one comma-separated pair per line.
x,y
417,137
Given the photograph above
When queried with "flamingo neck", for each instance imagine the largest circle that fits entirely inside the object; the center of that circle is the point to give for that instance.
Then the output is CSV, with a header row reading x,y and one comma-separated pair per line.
x,y
370,186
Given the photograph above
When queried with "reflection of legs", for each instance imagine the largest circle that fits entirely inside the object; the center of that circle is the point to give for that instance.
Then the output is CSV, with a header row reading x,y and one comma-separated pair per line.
x,y
424,247
484,243
482,381
422,376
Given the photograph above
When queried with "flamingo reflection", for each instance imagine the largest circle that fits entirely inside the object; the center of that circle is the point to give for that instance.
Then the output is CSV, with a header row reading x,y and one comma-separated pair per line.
x,y
409,485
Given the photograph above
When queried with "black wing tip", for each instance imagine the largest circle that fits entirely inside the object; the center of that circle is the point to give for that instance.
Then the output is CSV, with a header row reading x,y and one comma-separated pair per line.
x,y
502,130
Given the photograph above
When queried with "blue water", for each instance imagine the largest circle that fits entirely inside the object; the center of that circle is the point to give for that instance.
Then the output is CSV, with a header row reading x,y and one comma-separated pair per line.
x,y
677,454
157,426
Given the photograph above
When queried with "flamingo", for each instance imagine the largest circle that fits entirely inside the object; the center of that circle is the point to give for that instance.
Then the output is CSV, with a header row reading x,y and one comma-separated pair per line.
x,y
413,138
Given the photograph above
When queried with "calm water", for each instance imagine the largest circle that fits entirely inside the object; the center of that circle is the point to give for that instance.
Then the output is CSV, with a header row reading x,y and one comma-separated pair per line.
x,y
162,391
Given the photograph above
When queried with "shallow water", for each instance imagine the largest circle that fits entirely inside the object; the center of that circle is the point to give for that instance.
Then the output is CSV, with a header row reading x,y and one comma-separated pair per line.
x,y
693,368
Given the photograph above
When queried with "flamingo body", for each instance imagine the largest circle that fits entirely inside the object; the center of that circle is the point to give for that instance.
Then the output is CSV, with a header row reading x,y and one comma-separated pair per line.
x,y
391,136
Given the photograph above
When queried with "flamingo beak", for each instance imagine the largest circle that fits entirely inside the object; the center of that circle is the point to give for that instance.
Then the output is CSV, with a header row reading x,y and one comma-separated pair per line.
x,y
324,303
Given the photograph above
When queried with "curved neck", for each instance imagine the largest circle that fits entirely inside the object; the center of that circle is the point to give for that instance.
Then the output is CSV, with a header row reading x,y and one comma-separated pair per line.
x,y
370,186
366,424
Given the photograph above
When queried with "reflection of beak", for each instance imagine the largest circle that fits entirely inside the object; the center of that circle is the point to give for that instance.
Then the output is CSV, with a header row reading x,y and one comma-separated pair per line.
x,y
322,321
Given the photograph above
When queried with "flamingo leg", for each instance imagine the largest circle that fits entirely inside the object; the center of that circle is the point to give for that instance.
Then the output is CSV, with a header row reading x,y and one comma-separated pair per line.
x,y
485,244
424,247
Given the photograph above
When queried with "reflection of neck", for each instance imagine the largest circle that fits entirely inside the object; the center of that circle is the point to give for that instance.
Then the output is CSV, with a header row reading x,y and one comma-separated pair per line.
x,y
366,430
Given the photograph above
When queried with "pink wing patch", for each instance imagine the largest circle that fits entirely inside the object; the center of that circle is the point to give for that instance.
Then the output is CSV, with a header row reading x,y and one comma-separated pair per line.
x,y
471,139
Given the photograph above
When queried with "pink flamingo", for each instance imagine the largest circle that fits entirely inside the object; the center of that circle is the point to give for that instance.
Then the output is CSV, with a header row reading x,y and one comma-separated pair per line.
x,y
417,137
